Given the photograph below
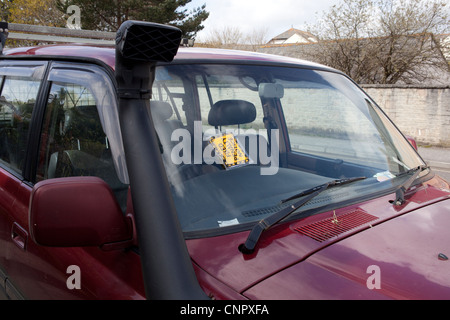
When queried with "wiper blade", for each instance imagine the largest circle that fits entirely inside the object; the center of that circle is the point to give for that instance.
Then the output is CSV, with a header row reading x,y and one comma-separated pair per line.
x,y
401,190
332,183
249,246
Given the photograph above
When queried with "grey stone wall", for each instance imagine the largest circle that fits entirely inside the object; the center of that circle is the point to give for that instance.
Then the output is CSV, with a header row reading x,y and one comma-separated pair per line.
x,y
421,112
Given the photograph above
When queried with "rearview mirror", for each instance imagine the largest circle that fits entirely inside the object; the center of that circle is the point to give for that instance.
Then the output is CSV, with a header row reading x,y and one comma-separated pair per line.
x,y
271,90
75,212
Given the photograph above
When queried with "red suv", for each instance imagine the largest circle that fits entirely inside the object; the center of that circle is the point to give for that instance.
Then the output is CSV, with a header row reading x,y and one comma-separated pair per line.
x,y
126,173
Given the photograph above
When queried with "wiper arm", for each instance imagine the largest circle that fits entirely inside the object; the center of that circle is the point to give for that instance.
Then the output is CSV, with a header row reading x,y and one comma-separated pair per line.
x,y
332,183
400,192
249,246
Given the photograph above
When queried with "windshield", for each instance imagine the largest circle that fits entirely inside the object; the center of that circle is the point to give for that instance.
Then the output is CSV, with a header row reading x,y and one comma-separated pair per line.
x,y
238,139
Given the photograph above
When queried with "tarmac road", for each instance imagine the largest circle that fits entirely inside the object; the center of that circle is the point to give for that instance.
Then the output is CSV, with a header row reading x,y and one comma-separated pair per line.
x,y
438,159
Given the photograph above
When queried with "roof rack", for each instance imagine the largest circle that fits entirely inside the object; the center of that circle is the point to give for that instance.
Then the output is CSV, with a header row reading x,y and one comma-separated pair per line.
x,y
63,35
54,34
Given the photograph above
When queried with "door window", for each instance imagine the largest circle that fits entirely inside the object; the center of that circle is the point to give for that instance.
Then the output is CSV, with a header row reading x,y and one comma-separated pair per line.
x,y
19,90
73,138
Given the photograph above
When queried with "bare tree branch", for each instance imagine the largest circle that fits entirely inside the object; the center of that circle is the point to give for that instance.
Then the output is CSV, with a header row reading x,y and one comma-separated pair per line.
x,y
384,41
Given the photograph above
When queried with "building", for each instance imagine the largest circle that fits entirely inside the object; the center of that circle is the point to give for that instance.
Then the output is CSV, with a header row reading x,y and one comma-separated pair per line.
x,y
293,36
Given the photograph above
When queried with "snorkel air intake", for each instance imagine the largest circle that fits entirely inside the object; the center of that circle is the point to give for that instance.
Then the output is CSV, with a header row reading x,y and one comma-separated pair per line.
x,y
167,268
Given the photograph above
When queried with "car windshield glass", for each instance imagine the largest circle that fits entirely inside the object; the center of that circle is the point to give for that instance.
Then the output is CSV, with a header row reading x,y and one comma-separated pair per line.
x,y
238,139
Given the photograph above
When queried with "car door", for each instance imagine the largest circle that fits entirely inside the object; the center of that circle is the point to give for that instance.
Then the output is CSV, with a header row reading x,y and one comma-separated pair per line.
x,y
67,139
21,83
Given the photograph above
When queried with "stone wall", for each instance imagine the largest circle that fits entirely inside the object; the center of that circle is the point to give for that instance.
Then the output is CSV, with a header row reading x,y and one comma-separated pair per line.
x,y
421,112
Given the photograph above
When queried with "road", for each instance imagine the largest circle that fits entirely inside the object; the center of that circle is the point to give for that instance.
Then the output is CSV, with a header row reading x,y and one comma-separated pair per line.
x,y
438,159
443,173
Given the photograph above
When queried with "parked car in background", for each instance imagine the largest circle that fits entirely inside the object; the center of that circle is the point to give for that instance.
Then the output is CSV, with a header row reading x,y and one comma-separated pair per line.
x,y
237,176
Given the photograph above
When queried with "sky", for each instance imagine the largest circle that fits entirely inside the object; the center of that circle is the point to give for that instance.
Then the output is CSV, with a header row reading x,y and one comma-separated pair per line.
x,y
275,16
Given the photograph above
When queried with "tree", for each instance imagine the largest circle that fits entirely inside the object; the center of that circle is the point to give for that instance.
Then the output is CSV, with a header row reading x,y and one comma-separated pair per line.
x,y
234,38
36,12
109,15
383,41
226,37
33,12
4,9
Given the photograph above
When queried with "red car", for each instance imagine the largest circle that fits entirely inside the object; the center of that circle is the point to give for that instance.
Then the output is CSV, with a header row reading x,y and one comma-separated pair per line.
x,y
218,174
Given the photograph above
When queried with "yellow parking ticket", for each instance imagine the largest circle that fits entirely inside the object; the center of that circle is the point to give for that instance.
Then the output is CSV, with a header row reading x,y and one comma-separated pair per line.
x,y
229,150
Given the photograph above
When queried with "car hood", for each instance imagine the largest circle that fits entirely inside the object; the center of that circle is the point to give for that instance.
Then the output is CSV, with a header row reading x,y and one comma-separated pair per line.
x,y
400,255
399,259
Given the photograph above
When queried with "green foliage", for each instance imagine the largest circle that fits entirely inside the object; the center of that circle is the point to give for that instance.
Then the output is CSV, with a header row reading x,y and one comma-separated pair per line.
x,y
107,15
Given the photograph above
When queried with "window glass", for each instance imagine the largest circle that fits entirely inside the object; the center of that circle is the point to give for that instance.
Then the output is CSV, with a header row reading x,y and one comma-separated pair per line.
x,y
331,119
215,88
73,141
17,100
322,121
93,79
170,90
300,128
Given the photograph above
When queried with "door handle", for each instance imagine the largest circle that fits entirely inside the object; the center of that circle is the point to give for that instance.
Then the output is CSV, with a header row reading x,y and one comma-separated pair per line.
x,y
19,236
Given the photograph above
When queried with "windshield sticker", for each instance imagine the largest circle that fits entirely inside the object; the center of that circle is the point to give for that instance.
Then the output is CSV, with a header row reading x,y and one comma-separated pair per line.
x,y
230,151
383,176
228,223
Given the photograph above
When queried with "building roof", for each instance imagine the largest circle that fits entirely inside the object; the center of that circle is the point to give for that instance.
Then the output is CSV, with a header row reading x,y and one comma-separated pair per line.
x,y
283,37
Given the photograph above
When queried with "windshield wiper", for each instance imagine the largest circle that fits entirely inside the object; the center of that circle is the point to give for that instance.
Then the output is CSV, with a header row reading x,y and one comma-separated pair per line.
x,y
332,183
401,190
249,246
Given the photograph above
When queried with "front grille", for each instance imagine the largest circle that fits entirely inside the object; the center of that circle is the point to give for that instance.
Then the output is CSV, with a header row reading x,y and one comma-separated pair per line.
x,y
332,227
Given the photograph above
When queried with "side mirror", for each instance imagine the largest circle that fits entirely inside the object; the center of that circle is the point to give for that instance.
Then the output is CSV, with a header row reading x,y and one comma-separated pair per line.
x,y
76,212
412,141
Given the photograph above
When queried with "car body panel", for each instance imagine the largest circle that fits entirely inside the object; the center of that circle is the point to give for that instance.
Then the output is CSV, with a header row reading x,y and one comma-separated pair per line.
x,y
106,54
402,250
404,241
285,255
38,272
32,271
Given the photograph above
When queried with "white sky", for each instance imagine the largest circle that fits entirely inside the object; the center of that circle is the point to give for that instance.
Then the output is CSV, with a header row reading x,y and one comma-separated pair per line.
x,y
276,16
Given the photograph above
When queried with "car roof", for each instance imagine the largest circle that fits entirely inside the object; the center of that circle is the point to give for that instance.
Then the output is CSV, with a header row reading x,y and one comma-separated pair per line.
x,y
106,54
102,53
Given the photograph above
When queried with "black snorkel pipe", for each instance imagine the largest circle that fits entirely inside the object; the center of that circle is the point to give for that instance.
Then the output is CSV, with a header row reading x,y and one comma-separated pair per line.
x,y
166,265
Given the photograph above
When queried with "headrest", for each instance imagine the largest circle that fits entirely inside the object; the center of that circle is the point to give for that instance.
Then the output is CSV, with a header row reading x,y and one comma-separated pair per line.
x,y
82,117
231,112
161,110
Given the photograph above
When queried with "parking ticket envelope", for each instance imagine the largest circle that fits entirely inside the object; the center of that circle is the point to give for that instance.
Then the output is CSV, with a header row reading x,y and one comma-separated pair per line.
x,y
230,151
